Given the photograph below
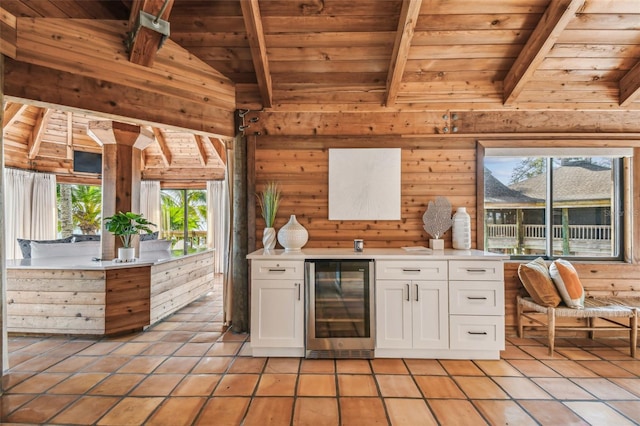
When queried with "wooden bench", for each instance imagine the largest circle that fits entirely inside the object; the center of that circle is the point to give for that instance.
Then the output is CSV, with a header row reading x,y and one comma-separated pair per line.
x,y
614,310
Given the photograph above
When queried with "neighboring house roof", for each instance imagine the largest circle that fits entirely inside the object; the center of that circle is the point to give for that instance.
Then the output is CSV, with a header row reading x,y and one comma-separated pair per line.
x,y
495,192
578,181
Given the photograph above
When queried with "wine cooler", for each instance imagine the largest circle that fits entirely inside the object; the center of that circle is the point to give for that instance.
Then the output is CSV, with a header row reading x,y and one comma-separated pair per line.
x,y
339,309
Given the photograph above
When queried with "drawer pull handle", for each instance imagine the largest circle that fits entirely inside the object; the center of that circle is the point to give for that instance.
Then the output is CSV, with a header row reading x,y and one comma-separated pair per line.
x,y
410,270
480,333
408,290
476,270
476,298
277,270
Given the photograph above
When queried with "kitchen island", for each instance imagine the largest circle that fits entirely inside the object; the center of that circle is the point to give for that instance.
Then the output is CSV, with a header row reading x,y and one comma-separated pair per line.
x,y
77,295
427,304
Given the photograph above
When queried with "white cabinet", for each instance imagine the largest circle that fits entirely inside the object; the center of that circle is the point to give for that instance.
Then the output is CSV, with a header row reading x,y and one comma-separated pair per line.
x,y
411,306
440,309
476,305
277,308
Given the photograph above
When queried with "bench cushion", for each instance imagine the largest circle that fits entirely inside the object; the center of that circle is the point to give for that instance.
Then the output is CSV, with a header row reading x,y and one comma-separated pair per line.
x,y
566,279
537,281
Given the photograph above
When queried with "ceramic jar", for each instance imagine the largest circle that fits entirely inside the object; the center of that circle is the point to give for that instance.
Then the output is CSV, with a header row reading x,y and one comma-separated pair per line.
x,y
293,236
461,238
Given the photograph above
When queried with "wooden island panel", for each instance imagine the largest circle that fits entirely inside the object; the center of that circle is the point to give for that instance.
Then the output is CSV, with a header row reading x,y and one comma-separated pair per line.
x,y
127,299
51,301
177,283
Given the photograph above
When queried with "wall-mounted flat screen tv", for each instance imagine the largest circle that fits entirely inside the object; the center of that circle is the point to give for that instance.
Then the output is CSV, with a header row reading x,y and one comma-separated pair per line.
x,y
87,162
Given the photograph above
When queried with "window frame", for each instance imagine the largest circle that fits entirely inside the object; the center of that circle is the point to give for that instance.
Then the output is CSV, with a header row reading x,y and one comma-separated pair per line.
x,y
626,232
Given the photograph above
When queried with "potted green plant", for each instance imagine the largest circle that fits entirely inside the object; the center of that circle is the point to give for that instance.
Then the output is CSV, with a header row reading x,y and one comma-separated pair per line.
x,y
269,200
125,226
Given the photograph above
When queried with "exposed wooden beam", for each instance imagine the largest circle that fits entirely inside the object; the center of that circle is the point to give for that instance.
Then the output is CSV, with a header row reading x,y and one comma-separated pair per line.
x,y
255,35
146,41
404,35
553,22
62,44
12,113
38,132
202,152
8,34
630,86
220,147
65,91
165,152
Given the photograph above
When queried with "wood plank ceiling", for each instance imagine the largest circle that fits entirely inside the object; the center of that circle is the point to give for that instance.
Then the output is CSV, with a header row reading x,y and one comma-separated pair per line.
x,y
367,55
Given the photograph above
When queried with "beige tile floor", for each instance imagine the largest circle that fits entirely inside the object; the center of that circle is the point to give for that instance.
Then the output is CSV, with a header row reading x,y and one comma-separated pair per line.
x,y
186,370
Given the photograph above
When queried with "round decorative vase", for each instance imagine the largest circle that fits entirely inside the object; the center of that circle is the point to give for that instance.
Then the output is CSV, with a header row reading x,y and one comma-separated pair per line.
x,y
293,236
461,237
269,238
126,254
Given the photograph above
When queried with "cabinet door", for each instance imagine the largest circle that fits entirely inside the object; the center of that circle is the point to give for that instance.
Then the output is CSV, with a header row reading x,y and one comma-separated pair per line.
x,y
393,314
430,314
277,315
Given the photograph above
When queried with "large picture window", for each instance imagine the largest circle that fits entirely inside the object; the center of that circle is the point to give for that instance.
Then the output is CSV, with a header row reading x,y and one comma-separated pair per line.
x,y
553,207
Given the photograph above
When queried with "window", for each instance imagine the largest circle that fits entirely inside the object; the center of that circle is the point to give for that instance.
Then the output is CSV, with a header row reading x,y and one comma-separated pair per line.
x,y
184,219
553,206
79,209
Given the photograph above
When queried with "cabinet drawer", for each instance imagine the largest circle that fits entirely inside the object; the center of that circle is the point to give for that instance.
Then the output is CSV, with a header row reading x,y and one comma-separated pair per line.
x,y
477,270
476,332
476,297
435,270
277,269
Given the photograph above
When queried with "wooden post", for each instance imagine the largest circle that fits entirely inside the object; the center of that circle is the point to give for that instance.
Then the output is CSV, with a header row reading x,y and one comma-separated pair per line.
x,y
239,263
565,231
121,172
520,231
4,354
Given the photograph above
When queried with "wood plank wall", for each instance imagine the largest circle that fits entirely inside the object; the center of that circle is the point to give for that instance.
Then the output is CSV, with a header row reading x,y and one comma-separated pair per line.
x,y
430,167
49,301
179,282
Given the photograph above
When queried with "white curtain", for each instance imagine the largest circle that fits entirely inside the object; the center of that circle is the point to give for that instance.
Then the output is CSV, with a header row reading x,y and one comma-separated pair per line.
x,y
30,208
218,222
44,208
150,202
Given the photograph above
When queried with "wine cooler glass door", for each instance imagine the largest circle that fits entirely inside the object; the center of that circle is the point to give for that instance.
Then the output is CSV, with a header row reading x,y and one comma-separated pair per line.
x,y
340,305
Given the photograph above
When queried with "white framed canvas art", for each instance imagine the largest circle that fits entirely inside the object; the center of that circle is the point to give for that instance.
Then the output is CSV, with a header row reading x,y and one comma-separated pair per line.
x,y
364,184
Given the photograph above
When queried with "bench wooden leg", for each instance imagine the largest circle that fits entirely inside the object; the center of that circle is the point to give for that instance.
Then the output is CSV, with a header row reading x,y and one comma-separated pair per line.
x,y
592,333
519,318
633,336
551,328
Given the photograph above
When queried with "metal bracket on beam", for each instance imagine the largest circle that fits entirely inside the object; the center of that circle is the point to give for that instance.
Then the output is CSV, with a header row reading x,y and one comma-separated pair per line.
x,y
154,23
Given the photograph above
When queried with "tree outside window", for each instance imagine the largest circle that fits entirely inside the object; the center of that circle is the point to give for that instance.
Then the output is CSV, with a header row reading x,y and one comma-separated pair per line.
x,y
184,219
79,209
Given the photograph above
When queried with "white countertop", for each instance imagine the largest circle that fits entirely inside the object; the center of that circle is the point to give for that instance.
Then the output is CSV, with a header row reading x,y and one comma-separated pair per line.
x,y
374,253
87,263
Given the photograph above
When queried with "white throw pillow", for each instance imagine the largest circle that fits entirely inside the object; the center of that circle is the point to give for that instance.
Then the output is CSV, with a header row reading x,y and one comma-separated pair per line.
x,y
83,249
155,245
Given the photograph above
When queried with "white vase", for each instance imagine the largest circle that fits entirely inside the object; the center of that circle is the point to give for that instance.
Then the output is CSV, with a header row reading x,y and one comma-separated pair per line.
x,y
126,254
461,235
293,236
269,238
